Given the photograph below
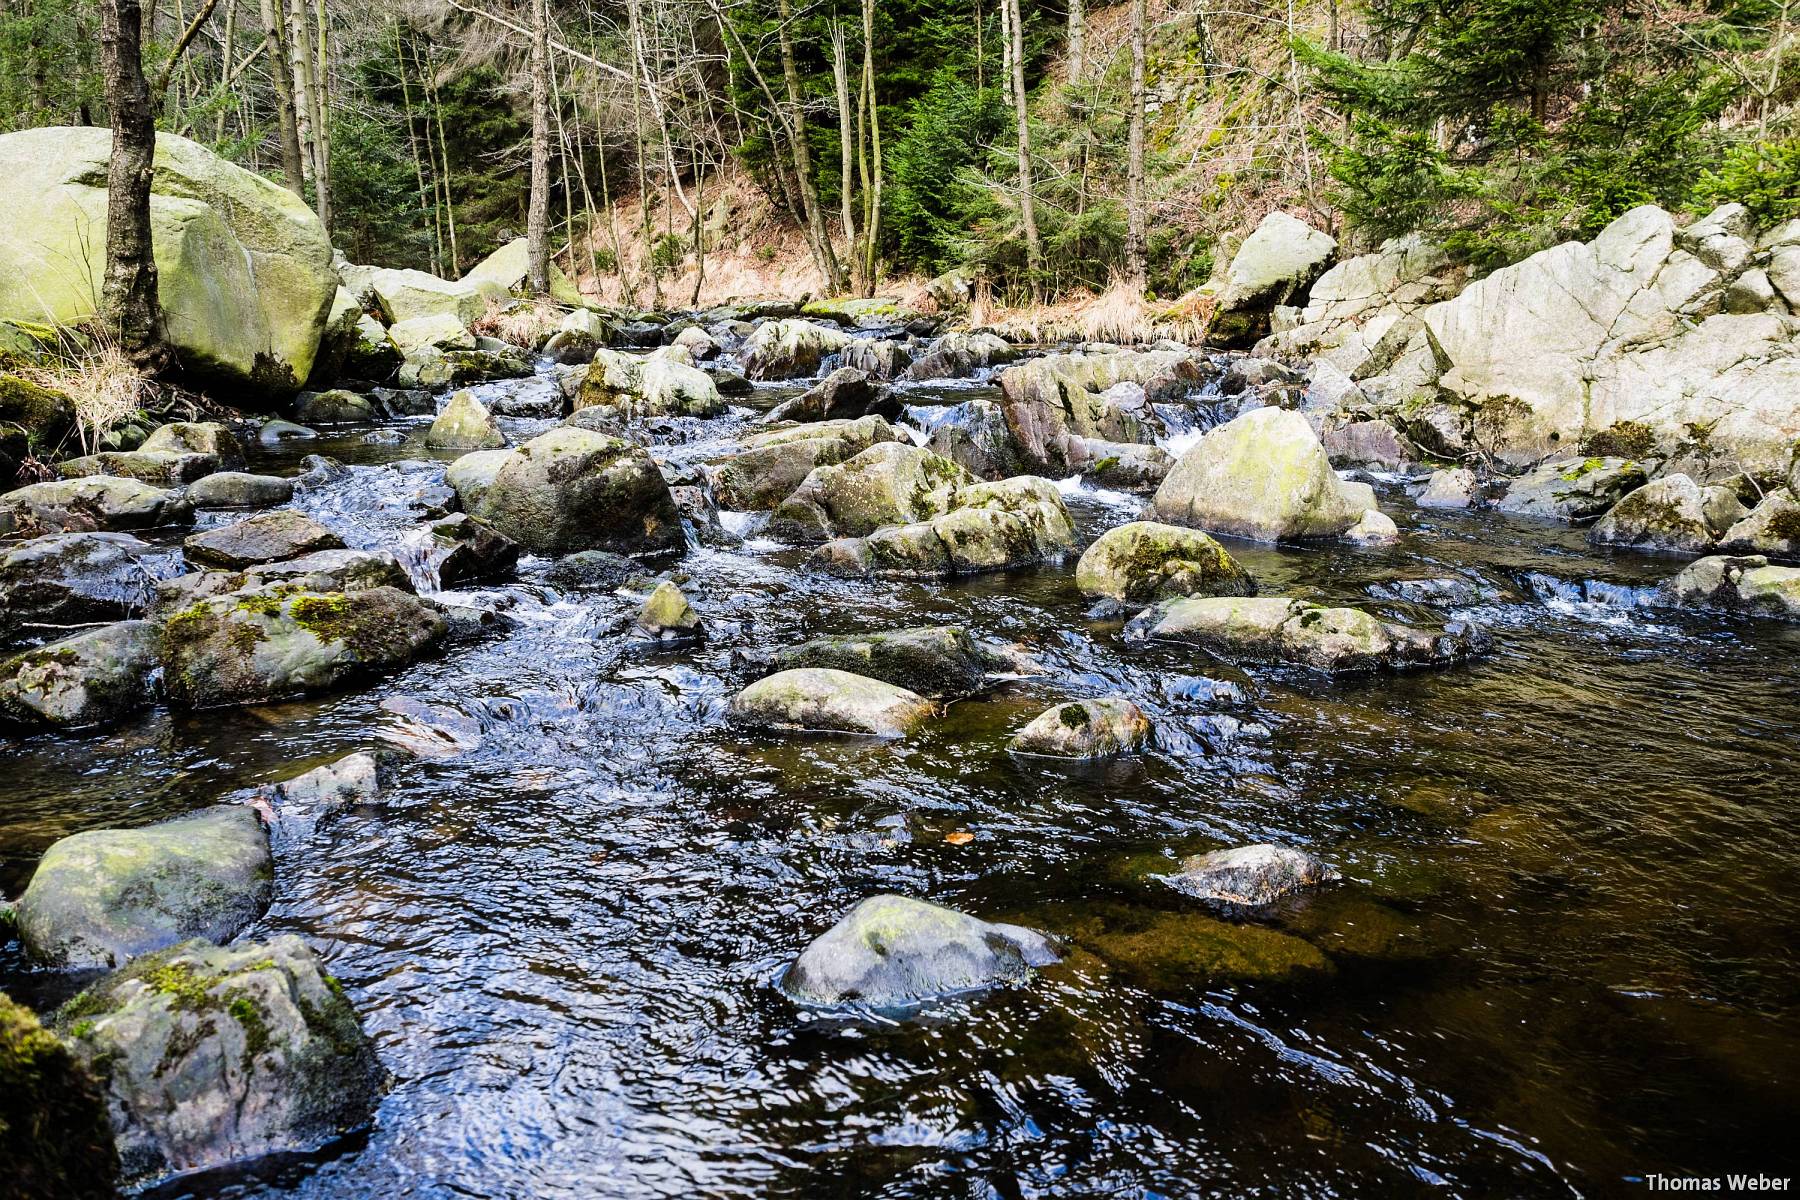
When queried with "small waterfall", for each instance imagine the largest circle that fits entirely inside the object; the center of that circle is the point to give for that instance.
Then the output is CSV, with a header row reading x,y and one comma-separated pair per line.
x,y
420,556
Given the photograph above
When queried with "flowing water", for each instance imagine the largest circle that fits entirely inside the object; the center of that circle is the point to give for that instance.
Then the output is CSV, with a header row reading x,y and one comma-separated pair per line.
x,y
1563,955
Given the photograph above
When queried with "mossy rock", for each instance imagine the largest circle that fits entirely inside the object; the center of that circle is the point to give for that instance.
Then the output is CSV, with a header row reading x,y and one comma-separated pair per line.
x,y
1144,561
55,1139
1180,951
46,416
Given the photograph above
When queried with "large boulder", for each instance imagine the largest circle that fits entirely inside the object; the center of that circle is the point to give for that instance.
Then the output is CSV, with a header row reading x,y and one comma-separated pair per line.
x,y
892,952
1772,528
430,331
654,386
572,489
509,267
1262,476
54,1135
1738,583
938,661
988,527
75,578
406,295
210,1055
771,465
198,437
877,358
97,502
263,538
823,700
279,640
1360,313
1572,489
243,266
791,349
975,436
464,550
893,483
1673,514
1275,265
1085,729
88,678
956,355
1277,629
1143,561
846,393
106,896
1068,412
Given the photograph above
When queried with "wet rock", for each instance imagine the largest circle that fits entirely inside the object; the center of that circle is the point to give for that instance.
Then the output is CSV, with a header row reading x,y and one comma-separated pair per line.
x,y
471,475
637,334
435,370
877,358
274,432
54,1134
1085,729
1277,629
959,355
90,678
1771,529
975,436
668,617
1262,476
327,571
470,551
465,424
74,578
1068,411
1166,951
890,951
1738,583
271,642
436,331
771,465
238,489
892,483
404,402
939,661
790,349
1572,489
266,537
298,805
1144,561
846,393
371,354
106,896
1446,590
98,502
730,383
1449,487
819,699
1672,513
657,386
592,570
990,527
162,468
1373,529
335,407
570,489
698,343
211,1055
1249,875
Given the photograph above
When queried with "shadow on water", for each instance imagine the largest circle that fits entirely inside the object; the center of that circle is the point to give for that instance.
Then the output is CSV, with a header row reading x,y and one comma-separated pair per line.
x,y
1563,953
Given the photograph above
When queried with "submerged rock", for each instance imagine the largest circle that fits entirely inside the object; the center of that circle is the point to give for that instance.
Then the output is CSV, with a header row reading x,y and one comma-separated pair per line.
x,y
212,1055
1249,875
1085,729
1277,629
1743,583
74,578
570,489
819,699
1167,951
890,951
465,424
1143,561
266,537
299,804
267,643
104,897
1262,476
1671,514
668,617
938,661
97,502
89,678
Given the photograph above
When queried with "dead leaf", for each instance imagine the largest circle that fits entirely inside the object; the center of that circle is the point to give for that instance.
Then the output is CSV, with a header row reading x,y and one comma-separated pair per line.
x,y
961,837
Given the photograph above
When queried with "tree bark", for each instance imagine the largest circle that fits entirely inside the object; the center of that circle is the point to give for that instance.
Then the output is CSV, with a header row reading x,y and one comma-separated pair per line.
x,y
300,62
322,120
275,30
840,78
809,191
1136,251
537,221
871,160
1034,250
128,301
1077,40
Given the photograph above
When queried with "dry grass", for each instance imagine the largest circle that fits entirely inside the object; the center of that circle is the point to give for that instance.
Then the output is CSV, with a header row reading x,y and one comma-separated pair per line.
x,y
1119,315
523,323
106,389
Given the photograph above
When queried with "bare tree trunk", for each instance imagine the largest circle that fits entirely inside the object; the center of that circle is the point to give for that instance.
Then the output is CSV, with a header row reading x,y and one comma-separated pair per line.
x,y
427,209
128,301
840,77
275,30
300,55
537,221
1077,40
1034,250
699,232
809,192
225,57
322,121
1136,252
871,160
452,265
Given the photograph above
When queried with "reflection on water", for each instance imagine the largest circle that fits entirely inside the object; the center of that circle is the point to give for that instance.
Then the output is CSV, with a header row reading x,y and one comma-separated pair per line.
x,y
1563,954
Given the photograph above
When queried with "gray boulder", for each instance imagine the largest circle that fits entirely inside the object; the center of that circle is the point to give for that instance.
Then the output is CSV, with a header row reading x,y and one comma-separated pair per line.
x,y
1672,514
771,465
160,468
465,424
1772,529
820,699
892,483
1449,487
334,407
1738,583
790,349
1275,265
266,537
238,489
1143,561
846,393
328,571
98,502
939,661
1277,629
1249,875
997,526
211,1055
1572,489
465,550
958,355
892,952
668,617
570,489
877,358
89,678
75,578
104,897
1085,729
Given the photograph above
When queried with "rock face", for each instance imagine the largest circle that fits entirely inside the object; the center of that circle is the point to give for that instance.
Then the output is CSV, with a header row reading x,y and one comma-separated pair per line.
x,y
790,349
819,699
657,386
1085,729
98,502
571,489
1277,629
266,537
771,465
243,266
846,393
54,1135
891,952
1746,584
989,527
1360,314
211,1055
74,578
104,897
465,424
1144,561
939,661
1249,875
279,640
1672,513
1274,265
894,483
1572,489
1262,476
89,678
1067,412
